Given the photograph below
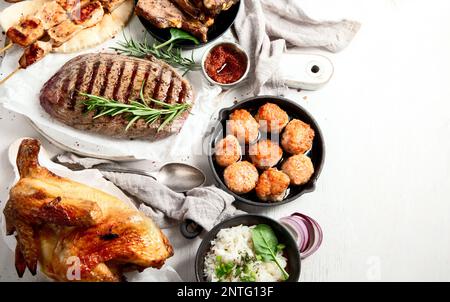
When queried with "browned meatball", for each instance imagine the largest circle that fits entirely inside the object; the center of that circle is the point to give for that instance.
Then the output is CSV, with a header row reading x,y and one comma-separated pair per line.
x,y
228,151
272,185
265,154
272,118
297,137
299,168
242,125
241,177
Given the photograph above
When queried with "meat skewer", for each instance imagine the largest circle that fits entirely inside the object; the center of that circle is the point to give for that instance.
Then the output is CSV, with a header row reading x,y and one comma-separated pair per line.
x,y
81,17
28,31
31,55
32,28
6,47
51,14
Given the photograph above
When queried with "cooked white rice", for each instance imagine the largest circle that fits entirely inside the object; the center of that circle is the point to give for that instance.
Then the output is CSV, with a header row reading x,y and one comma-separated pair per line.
x,y
235,245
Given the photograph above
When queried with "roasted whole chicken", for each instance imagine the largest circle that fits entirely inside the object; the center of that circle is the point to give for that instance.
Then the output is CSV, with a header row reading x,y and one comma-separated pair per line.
x,y
75,232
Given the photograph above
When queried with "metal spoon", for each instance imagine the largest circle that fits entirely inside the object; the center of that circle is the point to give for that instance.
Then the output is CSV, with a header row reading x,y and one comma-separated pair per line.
x,y
178,177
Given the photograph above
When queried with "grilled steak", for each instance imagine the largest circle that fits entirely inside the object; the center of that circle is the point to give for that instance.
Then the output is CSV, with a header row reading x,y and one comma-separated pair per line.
x,y
115,77
165,14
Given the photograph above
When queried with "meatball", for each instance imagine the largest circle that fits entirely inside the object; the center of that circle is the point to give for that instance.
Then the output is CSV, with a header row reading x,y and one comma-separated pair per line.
x,y
241,177
299,168
297,137
265,154
242,125
272,118
228,151
272,185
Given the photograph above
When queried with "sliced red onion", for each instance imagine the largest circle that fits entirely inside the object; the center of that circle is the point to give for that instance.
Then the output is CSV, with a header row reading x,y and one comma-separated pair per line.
x,y
299,238
299,230
307,232
303,231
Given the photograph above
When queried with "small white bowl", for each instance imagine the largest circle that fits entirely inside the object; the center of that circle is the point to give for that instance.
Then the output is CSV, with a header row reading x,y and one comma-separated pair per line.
x,y
236,47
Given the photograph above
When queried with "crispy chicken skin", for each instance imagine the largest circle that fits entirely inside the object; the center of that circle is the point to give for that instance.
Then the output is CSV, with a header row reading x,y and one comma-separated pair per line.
x,y
59,222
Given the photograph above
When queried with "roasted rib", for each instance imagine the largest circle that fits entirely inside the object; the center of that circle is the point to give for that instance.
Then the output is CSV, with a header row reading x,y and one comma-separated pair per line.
x,y
215,7
66,225
188,7
165,14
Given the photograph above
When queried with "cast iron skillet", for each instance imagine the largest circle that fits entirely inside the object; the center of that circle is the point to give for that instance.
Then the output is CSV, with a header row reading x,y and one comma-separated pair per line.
x,y
222,23
290,251
317,153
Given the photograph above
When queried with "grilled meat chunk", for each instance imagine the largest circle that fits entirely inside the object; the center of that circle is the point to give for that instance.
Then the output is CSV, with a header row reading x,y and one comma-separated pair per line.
x,y
28,31
165,14
63,32
71,5
34,53
89,15
114,77
111,5
51,14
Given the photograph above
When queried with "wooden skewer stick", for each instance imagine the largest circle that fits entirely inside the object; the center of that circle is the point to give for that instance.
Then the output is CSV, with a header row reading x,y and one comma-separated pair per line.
x,y
10,75
6,47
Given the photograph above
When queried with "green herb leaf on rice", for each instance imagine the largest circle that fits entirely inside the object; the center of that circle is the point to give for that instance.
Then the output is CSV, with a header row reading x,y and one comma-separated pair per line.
x,y
266,245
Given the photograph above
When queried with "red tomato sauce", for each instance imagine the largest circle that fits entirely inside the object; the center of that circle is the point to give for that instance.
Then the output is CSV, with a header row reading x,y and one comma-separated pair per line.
x,y
225,64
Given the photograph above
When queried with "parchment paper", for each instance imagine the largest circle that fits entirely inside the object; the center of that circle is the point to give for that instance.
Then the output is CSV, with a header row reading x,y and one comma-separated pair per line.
x,y
21,94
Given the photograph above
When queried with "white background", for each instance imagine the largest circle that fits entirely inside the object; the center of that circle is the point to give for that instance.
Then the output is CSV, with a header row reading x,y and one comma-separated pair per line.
x,y
383,198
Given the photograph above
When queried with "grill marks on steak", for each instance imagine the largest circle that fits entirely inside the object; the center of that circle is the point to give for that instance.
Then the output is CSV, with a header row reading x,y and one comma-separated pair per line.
x,y
114,77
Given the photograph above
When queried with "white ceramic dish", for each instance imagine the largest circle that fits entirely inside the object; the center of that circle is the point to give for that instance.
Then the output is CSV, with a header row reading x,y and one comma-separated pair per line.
x,y
236,47
75,145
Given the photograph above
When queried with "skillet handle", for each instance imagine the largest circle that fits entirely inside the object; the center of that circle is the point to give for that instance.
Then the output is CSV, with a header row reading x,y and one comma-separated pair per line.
x,y
189,229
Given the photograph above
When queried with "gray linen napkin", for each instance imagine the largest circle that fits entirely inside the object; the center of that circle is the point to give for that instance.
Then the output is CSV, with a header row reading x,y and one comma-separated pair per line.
x,y
207,206
266,28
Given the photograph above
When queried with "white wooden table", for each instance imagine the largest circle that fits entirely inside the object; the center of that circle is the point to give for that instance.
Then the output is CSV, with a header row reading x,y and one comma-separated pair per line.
x,y
383,198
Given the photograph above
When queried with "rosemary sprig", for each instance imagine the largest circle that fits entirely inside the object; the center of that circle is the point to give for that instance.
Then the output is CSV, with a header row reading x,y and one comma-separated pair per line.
x,y
135,110
165,51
